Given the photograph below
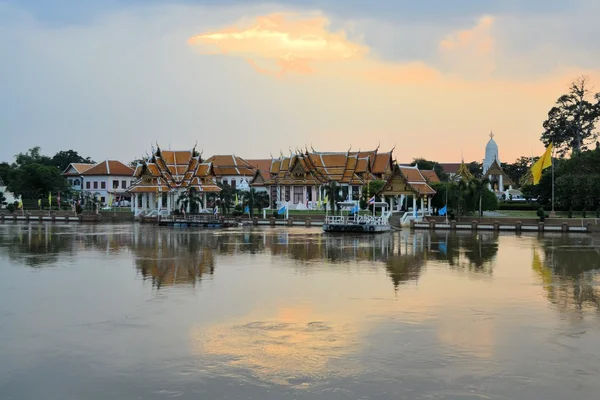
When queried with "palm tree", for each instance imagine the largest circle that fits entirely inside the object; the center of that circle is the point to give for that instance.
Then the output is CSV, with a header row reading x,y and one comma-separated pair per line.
x,y
192,198
333,192
478,187
249,200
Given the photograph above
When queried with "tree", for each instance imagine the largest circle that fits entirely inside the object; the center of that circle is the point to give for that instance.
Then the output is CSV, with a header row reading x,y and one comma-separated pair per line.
x,y
478,188
572,121
32,156
370,190
261,198
334,193
5,169
2,199
63,158
34,181
422,163
517,170
225,196
134,163
191,198
249,200
475,168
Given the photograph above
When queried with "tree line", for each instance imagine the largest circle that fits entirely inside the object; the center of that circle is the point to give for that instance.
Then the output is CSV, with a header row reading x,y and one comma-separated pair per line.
x,y
34,175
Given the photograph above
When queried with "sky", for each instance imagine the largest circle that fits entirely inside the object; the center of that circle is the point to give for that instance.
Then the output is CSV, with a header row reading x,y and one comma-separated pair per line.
x,y
430,79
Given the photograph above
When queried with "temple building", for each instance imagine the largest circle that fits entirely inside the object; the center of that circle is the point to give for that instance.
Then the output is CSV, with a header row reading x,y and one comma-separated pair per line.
x,y
167,175
408,182
492,168
296,179
232,170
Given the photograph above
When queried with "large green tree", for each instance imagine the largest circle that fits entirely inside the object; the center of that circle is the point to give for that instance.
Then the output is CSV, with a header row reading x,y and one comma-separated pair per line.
x,y
333,192
63,158
517,170
33,181
5,169
571,123
32,156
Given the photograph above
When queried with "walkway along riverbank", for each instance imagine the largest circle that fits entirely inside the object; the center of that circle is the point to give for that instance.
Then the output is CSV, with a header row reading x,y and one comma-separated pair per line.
x,y
511,224
431,223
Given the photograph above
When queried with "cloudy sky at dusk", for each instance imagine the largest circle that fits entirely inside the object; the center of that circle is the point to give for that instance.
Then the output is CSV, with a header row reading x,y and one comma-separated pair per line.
x,y
109,78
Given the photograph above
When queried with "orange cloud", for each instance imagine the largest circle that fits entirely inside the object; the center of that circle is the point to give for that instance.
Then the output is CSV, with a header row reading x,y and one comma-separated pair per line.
x,y
291,43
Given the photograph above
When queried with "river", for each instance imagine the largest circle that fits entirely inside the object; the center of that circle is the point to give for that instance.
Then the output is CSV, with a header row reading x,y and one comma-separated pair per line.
x,y
139,312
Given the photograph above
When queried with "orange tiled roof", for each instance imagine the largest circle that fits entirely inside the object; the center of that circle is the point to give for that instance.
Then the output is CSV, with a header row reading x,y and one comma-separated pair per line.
x,y
430,176
228,165
109,167
78,167
353,168
167,170
264,166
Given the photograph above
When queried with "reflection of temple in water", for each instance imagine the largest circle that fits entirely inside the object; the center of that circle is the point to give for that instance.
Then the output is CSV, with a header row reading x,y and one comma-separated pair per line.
x,y
170,257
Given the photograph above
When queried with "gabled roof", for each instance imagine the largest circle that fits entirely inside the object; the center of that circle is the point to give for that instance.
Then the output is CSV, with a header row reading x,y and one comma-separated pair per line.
x,y
231,165
463,172
430,176
76,169
450,168
316,168
263,165
496,169
109,167
166,170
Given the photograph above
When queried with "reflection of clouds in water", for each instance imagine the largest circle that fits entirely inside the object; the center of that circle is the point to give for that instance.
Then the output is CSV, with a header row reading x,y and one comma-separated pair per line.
x,y
293,347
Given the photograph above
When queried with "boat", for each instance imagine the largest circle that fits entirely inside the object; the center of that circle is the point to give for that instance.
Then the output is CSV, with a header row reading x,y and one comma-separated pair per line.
x,y
359,223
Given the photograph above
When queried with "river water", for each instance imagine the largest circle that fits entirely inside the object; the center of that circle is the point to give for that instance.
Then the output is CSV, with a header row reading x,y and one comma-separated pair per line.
x,y
137,312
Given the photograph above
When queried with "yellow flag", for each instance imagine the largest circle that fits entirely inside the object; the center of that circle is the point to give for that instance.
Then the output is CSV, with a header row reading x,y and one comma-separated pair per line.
x,y
544,162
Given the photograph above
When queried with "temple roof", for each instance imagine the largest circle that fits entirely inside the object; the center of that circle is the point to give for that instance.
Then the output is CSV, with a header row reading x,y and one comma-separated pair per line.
x,y
463,172
166,170
430,176
231,165
406,180
316,168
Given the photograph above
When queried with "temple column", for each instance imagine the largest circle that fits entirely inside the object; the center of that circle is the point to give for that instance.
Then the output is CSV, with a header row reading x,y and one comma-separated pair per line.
x,y
144,201
429,204
500,184
304,196
169,202
160,203
204,200
134,204
414,204
423,205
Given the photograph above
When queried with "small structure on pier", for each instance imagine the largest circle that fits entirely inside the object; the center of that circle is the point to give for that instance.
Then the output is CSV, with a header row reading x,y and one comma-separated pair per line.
x,y
168,176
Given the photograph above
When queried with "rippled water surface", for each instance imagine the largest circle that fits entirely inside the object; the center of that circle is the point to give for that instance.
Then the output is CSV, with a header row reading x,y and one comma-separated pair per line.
x,y
137,312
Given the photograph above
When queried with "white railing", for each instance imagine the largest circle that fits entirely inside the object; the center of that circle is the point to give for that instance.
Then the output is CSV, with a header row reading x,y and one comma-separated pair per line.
x,y
358,220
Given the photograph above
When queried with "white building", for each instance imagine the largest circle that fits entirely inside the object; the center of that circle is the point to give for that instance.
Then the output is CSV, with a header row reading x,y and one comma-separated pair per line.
x,y
107,178
492,168
74,174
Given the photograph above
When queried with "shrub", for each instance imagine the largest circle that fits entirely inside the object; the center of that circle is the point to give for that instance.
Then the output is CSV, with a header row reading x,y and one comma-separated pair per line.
x,y
583,213
598,212
11,208
78,209
541,214
570,213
